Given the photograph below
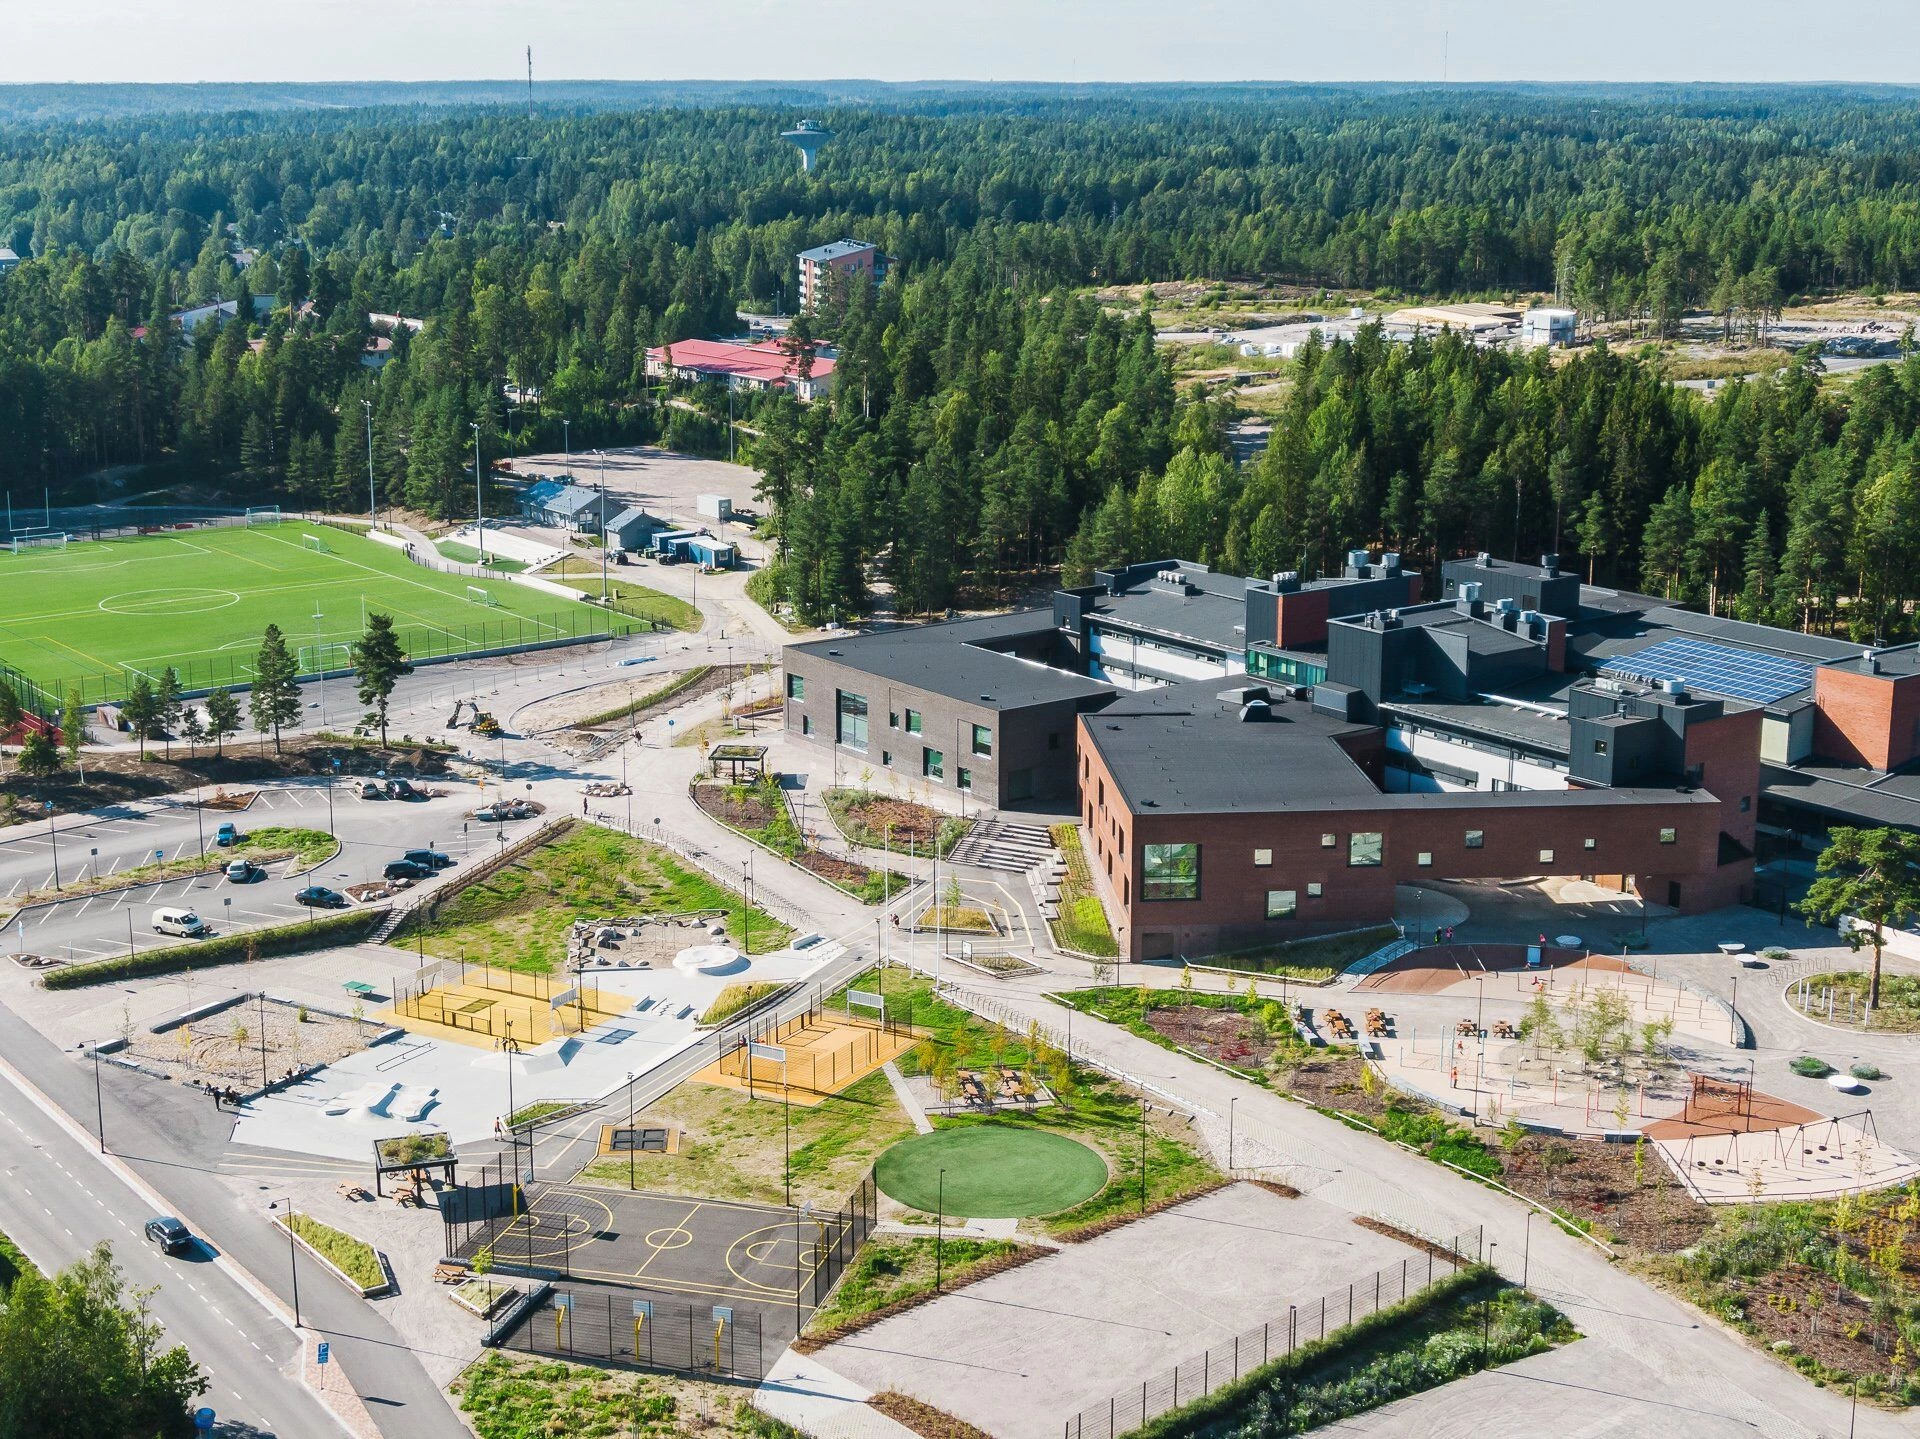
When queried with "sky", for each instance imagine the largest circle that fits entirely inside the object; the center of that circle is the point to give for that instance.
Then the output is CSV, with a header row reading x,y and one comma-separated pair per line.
x,y
1068,40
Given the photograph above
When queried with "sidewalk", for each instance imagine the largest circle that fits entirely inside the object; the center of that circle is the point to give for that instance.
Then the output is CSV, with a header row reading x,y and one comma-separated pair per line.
x,y
1631,1327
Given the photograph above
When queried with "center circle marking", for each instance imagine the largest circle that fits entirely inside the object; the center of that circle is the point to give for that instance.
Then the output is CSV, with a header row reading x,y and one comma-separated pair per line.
x,y
672,1238
168,601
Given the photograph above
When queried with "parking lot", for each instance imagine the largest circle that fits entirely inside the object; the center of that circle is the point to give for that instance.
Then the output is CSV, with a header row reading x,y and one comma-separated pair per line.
x,y
371,833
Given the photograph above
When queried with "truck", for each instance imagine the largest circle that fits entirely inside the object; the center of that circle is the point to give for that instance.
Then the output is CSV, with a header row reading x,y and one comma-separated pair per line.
x,y
714,507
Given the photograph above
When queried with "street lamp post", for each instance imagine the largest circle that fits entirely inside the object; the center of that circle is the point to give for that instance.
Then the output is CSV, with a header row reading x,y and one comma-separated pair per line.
x,y
99,1107
293,1262
1526,1250
566,437
479,509
1486,1316
629,1126
373,504
940,1234
53,838
1232,1104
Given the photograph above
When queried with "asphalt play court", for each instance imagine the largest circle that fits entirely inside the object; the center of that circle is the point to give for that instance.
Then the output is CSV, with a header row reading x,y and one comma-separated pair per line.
x,y
810,1057
707,1250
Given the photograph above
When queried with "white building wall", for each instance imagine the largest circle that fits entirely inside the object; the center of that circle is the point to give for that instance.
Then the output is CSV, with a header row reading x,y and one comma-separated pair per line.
x,y
1459,757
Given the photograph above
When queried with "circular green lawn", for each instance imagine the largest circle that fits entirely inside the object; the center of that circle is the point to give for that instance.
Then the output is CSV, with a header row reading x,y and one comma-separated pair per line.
x,y
994,1171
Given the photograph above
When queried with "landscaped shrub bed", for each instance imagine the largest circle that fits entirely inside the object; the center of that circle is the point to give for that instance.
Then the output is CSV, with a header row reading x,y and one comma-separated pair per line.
x,y
318,933
883,821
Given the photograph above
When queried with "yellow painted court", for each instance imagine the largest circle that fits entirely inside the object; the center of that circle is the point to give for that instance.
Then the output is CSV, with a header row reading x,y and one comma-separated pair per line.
x,y
479,1005
817,1054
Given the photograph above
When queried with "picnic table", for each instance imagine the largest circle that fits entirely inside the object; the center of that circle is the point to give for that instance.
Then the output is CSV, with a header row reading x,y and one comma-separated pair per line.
x,y
358,988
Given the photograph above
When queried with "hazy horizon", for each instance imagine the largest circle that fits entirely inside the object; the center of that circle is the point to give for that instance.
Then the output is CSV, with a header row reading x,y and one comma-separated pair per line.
x,y
1117,41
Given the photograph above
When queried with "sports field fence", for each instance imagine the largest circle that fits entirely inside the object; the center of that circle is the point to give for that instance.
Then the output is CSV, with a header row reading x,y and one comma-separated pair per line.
x,y
617,1326
861,1045
1308,1323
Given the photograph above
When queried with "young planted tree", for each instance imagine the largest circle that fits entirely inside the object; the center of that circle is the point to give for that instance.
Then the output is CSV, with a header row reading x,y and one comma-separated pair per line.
x,y
276,697
378,662
141,711
1867,875
38,757
223,717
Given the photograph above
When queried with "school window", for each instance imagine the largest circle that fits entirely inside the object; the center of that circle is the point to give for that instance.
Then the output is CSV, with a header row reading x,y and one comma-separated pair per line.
x,y
1599,746
1281,903
1425,859
1170,871
1263,857
886,758
933,764
1668,836
796,687
1365,849
1476,838
806,724
1328,841
1313,889
964,777
913,721
893,719
850,718
1546,856
1590,843
982,741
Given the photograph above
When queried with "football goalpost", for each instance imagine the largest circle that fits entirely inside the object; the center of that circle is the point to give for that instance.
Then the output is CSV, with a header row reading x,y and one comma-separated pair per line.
x,y
316,658
23,543
315,543
263,515
481,597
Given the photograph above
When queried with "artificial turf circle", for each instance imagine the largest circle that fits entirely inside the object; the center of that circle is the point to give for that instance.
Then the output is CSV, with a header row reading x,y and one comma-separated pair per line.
x,y
993,1171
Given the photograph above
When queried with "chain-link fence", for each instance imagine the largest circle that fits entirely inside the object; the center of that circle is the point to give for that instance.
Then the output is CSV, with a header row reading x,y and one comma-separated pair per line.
x,y
617,1326
1306,1323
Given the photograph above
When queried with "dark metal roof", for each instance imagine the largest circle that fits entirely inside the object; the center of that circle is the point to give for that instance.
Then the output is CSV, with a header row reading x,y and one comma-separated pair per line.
x,y
1546,733
957,659
1853,796
1208,618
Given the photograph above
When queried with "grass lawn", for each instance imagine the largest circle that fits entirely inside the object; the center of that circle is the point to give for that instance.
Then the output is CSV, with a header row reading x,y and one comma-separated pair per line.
x,y
355,1257
628,598
1098,1112
1846,990
736,997
1082,924
506,1396
519,917
890,1269
463,554
96,612
992,1171
735,1146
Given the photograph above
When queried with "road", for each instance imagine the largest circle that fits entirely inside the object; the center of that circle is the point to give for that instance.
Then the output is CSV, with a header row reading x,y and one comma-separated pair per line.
x,y
173,1142
60,1200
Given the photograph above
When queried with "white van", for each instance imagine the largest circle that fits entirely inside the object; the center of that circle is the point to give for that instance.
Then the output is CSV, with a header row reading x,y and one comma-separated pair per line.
x,y
179,921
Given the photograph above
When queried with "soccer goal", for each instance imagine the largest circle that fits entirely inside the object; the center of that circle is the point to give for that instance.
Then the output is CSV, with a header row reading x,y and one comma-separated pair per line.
x,y
24,543
317,658
263,515
316,544
481,597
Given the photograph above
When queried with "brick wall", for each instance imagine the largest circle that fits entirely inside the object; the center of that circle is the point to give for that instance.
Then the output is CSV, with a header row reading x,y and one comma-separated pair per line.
x,y
1865,719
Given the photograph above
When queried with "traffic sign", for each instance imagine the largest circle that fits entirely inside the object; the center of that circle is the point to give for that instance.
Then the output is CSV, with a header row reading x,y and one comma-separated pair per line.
x,y
323,1353
203,1420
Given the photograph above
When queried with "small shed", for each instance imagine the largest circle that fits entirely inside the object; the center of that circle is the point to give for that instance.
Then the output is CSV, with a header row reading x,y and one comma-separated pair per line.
x,y
743,761
711,554
631,529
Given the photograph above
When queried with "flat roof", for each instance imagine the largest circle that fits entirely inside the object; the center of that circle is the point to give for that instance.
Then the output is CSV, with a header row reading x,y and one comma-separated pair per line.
x,y
1183,750
1549,733
1858,796
1209,617
837,250
957,659
1900,660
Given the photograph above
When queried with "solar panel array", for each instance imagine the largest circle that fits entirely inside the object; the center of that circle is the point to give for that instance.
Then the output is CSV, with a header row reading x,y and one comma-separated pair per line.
x,y
1721,669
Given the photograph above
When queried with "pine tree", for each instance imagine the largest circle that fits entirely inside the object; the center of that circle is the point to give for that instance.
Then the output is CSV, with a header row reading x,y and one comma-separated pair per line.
x,y
166,704
223,717
141,711
378,663
276,696
1663,543
73,727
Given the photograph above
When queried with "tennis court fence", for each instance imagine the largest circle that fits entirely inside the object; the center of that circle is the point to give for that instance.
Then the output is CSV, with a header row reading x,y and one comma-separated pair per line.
x,y
1247,1351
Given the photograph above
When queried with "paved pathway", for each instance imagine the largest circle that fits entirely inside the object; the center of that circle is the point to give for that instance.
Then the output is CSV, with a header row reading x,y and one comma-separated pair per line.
x,y
921,1123
1637,1334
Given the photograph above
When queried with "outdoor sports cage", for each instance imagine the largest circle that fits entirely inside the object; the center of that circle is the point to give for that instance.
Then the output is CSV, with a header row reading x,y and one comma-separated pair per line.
x,y
825,1048
480,1000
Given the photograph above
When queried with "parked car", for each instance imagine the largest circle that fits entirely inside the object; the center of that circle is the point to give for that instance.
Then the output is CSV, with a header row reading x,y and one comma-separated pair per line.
x,y
227,834
400,789
244,871
431,858
179,921
370,789
407,869
318,896
169,1234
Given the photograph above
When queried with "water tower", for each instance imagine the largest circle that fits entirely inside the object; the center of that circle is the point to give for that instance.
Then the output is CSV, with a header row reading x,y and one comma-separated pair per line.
x,y
809,137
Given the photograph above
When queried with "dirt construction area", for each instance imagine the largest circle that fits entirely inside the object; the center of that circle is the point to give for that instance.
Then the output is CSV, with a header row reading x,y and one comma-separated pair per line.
x,y
659,481
247,1044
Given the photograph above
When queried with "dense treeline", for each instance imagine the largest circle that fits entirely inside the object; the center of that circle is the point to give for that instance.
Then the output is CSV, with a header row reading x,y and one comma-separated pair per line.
x,y
990,419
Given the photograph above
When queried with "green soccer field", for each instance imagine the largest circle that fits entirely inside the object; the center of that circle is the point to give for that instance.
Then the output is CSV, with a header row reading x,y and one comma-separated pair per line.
x,y
94,614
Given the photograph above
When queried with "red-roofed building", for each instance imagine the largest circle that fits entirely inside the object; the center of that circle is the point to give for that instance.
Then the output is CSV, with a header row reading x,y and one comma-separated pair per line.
x,y
748,365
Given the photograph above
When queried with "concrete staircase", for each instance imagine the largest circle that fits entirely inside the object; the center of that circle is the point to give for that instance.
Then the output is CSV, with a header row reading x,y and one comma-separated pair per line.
x,y
996,844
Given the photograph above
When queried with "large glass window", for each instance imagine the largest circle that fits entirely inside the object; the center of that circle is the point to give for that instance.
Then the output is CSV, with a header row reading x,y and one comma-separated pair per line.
x,y
851,719
982,740
913,721
796,687
1281,903
933,764
1365,849
1171,871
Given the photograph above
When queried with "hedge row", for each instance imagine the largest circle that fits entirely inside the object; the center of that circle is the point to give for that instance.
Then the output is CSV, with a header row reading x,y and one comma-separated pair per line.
x,y
317,933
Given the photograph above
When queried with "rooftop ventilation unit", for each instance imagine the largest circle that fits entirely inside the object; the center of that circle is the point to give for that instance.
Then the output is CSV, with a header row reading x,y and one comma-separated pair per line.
x,y
1505,604
1287,581
1676,689
1550,564
1484,560
1871,660
1357,558
1391,560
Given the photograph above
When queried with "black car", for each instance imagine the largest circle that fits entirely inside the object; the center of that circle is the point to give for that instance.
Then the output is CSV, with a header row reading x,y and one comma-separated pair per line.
x,y
169,1233
400,789
318,896
407,869
431,858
